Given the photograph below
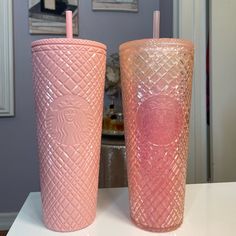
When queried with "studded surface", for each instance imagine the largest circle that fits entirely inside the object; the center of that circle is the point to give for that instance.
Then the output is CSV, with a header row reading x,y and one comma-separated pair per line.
x,y
68,86
156,88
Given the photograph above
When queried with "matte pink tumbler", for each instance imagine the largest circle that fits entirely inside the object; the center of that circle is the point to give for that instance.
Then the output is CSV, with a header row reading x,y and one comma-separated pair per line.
x,y
156,76
68,87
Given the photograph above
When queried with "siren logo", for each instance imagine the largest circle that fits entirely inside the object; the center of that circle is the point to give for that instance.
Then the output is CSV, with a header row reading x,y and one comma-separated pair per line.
x,y
68,120
160,119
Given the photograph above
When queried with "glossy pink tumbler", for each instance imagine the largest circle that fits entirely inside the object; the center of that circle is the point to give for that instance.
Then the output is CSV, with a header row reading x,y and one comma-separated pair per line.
x,y
156,77
68,79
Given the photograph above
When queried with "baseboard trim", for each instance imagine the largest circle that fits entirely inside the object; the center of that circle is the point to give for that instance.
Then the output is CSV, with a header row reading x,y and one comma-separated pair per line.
x,y
7,219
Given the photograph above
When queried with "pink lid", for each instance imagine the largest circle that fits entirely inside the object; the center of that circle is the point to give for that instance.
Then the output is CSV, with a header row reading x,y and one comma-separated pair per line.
x,y
68,41
155,42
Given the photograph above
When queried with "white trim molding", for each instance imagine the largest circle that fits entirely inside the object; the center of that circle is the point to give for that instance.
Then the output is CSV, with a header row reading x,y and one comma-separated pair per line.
x,y
190,23
6,220
6,58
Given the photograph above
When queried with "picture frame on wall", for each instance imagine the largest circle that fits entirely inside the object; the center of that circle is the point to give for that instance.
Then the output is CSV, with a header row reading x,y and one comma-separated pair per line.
x,y
115,5
48,16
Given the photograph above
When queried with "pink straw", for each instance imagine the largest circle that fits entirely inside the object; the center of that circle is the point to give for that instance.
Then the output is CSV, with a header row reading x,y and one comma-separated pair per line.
x,y
156,24
69,29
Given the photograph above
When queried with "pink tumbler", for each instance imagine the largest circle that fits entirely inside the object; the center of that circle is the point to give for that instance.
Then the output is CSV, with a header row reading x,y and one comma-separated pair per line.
x,y
156,77
68,79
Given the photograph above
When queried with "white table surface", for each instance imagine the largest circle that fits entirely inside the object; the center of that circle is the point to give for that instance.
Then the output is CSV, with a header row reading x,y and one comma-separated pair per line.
x,y
210,210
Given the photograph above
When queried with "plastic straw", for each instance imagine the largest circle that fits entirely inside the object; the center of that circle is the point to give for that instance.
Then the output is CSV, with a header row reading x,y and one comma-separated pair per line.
x,y
69,29
156,24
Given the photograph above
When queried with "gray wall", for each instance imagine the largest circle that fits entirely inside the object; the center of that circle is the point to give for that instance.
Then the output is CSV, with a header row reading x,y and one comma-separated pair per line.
x,y
166,7
114,28
18,151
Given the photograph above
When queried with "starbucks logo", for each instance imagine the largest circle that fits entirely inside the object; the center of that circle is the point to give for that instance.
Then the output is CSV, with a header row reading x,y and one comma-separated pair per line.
x,y
160,119
68,120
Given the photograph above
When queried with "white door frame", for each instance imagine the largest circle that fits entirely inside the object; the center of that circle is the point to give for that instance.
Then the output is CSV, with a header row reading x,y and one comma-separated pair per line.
x,y
222,84
6,58
189,22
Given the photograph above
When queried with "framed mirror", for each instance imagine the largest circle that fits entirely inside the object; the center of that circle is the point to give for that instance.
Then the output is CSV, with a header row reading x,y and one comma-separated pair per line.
x,y
6,58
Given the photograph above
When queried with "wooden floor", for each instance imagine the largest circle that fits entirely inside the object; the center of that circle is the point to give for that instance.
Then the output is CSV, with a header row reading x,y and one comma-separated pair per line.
x,y
3,233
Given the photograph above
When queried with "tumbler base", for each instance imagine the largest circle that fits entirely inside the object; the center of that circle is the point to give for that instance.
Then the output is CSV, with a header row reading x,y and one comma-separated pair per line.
x,y
157,230
64,230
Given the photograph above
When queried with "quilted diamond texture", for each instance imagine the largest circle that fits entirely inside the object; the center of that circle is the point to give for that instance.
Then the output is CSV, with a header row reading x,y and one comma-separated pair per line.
x,y
156,88
68,86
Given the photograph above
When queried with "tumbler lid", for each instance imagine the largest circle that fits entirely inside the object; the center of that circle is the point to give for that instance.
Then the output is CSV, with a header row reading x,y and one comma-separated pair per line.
x,y
156,42
68,41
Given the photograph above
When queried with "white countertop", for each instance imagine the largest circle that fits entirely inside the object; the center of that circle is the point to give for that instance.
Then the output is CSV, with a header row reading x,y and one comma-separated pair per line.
x,y
210,210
